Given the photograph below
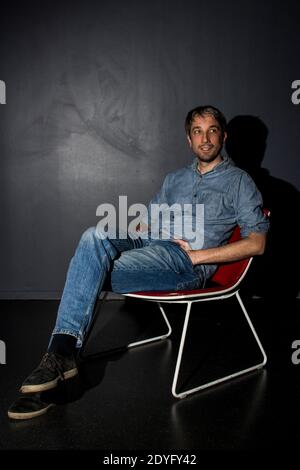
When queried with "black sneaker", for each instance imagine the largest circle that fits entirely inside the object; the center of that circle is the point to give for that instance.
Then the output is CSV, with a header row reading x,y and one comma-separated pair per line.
x,y
52,368
28,406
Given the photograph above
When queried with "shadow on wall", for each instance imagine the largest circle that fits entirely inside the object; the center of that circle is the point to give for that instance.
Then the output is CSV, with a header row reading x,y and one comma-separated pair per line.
x,y
272,275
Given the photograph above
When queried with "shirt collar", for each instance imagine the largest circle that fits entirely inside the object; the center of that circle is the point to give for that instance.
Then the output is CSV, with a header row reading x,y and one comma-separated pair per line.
x,y
219,168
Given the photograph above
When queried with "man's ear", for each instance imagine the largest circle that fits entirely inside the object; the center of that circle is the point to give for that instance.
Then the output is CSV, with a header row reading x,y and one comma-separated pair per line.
x,y
189,140
224,137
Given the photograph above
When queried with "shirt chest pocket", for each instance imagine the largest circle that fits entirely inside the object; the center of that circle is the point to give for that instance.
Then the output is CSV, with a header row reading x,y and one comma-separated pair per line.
x,y
217,206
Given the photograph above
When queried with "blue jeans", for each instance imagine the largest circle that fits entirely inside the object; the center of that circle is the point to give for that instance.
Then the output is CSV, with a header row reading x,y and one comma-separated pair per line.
x,y
131,264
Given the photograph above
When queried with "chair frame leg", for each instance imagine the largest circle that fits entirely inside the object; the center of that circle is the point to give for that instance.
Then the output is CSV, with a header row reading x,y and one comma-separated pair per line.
x,y
182,343
155,338
222,379
81,357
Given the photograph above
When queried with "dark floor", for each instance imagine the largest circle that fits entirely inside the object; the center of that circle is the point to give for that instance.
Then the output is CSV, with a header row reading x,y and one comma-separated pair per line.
x,y
123,400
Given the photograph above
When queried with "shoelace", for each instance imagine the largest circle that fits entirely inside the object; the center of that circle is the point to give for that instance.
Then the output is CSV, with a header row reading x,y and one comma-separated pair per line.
x,y
50,361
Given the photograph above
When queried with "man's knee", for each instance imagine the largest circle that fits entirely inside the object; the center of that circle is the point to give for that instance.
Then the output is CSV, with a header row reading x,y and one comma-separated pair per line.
x,y
92,238
88,235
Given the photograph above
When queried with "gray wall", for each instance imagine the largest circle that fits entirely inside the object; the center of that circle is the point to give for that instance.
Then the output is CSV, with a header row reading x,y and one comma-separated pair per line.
x,y
97,93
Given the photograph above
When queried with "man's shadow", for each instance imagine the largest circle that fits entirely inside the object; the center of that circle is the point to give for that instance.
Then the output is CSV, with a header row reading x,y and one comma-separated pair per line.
x,y
91,372
272,275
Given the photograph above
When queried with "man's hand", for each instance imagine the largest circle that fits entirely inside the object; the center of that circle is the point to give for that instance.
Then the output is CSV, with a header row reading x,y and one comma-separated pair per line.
x,y
183,244
186,247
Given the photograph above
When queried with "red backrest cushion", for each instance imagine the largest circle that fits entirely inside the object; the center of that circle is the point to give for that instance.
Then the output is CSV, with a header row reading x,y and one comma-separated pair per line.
x,y
228,274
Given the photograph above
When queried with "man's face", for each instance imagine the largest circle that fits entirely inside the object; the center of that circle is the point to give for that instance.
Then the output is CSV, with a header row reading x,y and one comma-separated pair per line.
x,y
206,138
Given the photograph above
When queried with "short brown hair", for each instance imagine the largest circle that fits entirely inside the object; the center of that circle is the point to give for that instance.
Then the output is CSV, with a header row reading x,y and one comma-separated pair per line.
x,y
202,111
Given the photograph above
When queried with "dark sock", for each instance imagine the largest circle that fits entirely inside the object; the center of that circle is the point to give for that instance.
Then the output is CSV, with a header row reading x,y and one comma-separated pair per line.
x,y
65,345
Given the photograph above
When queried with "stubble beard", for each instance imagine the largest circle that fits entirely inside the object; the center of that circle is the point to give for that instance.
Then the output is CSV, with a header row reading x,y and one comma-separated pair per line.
x,y
208,157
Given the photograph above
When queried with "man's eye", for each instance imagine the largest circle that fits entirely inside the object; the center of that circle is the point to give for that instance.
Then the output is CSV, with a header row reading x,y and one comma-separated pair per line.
x,y
197,131
213,130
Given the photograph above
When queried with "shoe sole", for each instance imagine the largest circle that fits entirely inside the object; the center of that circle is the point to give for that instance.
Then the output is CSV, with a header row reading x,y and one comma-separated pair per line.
x,y
32,414
48,385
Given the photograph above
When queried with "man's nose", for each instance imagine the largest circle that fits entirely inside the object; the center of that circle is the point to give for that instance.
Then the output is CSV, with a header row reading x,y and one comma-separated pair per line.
x,y
205,137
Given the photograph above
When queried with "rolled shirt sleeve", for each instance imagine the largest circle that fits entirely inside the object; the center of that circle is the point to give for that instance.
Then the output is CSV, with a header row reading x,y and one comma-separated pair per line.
x,y
249,207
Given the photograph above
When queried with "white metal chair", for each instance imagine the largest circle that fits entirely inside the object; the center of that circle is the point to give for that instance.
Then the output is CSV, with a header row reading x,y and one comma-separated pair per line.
x,y
226,283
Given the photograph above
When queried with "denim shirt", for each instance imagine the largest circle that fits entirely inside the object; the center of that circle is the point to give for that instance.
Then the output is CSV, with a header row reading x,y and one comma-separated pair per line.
x,y
229,195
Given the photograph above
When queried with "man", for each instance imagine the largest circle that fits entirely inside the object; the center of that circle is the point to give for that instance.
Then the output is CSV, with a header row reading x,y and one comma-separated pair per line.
x,y
139,263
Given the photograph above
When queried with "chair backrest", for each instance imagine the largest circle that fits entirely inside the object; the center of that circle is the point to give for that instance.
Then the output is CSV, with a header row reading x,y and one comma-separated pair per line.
x,y
228,274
